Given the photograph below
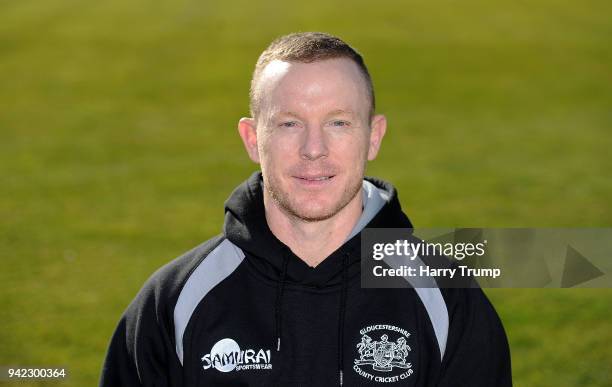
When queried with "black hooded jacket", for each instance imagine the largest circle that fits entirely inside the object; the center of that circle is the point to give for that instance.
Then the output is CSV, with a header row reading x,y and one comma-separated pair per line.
x,y
242,310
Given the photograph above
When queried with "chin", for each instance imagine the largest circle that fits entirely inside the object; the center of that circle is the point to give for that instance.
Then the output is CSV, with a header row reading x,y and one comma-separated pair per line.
x,y
307,208
313,216
310,205
313,211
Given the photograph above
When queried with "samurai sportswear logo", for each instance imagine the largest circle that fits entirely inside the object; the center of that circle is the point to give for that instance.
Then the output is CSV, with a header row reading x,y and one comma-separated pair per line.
x,y
227,356
383,355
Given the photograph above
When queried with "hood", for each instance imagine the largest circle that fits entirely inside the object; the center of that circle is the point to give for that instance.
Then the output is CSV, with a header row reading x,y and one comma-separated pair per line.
x,y
245,226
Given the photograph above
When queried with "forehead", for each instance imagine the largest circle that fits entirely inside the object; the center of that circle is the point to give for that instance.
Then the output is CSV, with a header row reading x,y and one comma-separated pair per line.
x,y
313,88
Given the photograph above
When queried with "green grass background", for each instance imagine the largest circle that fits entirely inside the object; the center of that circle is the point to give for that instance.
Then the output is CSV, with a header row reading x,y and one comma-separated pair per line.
x,y
118,146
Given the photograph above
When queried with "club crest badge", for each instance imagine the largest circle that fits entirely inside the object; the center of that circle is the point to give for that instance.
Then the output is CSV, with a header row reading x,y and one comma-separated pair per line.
x,y
383,349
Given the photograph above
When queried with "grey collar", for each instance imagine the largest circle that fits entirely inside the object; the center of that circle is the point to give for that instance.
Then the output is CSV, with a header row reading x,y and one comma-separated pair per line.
x,y
374,199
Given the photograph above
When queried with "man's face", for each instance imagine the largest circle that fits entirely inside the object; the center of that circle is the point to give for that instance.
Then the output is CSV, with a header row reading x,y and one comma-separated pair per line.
x,y
313,135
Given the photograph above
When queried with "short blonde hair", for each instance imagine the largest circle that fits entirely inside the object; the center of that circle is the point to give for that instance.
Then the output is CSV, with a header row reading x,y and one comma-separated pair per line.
x,y
306,47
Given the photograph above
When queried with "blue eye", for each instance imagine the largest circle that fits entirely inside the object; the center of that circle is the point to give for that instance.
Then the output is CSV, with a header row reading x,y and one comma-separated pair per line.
x,y
340,123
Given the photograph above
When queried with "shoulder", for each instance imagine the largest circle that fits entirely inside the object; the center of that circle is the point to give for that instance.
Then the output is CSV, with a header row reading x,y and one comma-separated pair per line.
x,y
470,305
160,292
175,273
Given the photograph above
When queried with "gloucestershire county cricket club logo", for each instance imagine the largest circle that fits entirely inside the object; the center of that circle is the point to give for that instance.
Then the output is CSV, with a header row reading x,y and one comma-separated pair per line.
x,y
384,348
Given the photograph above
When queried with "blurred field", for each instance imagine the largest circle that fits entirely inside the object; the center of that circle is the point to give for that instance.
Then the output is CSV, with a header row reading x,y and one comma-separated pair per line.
x,y
118,147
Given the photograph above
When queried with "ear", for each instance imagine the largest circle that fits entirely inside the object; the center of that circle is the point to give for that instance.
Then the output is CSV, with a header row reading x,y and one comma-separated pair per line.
x,y
248,132
378,127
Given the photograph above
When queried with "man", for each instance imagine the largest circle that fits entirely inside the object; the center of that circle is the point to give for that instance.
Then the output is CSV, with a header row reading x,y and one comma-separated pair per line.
x,y
276,299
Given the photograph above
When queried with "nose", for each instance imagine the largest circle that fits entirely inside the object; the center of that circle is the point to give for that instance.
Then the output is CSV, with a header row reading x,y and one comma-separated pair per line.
x,y
314,144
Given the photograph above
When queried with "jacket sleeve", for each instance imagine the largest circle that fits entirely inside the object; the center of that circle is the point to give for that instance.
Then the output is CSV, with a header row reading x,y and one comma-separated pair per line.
x,y
477,352
141,351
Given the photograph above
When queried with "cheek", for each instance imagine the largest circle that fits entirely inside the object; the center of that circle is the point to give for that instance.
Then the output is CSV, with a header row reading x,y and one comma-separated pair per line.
x,y
276,150
352,148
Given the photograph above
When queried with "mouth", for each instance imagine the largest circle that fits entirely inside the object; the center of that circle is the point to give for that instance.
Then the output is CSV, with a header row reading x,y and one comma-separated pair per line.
x,y
314,180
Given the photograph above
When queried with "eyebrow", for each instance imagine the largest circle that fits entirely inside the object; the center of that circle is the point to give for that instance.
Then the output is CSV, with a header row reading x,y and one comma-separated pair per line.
x,y
340,111
296,115
287,113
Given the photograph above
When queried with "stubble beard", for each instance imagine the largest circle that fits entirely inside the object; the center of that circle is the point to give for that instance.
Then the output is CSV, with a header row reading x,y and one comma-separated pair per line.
x,y
284,200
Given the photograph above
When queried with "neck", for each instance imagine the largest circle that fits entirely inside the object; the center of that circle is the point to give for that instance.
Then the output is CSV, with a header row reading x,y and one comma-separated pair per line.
x,y
312,241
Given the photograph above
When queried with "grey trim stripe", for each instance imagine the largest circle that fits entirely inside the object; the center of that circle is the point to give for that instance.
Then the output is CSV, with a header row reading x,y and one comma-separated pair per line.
x,y
217,266
438,314
374,199
430,295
